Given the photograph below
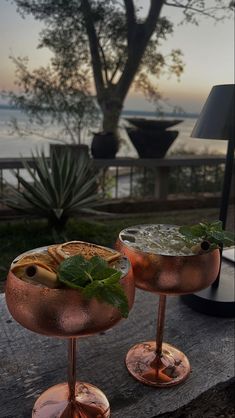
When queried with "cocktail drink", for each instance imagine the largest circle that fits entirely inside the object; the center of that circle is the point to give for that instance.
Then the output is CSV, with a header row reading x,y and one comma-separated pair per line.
x,y
165,264
63,312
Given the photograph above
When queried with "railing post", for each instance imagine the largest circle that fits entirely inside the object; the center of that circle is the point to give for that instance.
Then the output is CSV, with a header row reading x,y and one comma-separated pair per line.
x,y
1,182
232,192
161,183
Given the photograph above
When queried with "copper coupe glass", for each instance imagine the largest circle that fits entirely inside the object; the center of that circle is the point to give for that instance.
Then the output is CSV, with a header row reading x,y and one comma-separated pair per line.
x,y
65,313
165,272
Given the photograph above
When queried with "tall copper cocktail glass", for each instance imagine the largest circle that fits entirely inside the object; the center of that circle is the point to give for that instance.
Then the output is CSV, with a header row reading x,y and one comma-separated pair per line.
x,y
153,362
65,313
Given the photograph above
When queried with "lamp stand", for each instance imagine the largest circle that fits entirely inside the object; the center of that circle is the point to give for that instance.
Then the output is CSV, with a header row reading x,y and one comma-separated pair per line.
x,y
218,299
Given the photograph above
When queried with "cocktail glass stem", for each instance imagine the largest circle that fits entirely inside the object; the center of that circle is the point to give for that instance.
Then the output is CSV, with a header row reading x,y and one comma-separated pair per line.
x,y
72,368
160,325
72,399
84,400
160,330
156,363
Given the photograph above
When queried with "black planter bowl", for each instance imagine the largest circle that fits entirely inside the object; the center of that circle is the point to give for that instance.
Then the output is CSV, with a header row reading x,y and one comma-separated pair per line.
x,y
104,145
151,144
153,124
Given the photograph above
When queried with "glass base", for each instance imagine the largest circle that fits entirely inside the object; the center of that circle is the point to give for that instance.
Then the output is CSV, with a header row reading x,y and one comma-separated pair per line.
x,y
172,368
90,403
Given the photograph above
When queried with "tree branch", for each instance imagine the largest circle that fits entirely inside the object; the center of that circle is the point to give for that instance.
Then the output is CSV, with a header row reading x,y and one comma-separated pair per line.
x,y
104,65
94,46
209,11
140,39
153,15
130,18
115,70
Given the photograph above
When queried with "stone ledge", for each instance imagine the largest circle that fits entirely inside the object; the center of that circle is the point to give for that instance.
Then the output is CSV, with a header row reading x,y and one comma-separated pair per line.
x,y
217,402
30,363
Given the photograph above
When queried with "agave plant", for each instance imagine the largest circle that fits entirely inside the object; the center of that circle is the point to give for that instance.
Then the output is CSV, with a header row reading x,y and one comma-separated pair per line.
x,y
59,187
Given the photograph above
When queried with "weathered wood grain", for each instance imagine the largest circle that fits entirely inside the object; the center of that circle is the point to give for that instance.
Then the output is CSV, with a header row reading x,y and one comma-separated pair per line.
x,y
30,363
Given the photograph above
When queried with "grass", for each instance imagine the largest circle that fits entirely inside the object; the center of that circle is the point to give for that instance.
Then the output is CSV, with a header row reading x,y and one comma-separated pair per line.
x,y
20,236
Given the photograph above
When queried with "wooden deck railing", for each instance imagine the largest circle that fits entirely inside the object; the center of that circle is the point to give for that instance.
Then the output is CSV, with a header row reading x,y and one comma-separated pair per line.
x,y
135,177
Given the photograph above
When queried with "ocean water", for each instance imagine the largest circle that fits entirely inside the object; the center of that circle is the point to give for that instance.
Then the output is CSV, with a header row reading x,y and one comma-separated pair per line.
x,y
13,145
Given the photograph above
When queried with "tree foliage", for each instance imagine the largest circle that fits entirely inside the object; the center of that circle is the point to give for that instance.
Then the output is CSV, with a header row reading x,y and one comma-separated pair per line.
x,y
115,43
49,98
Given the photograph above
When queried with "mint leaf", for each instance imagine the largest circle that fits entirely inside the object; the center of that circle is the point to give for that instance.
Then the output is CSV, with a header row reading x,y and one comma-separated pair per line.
x,y
186,231
100,270
229,239
212,232
193,231
217,225
94,278
75,272
111,293
216,236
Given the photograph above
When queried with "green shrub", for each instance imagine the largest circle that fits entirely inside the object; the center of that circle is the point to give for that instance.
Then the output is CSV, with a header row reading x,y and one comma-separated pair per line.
x,y
59,187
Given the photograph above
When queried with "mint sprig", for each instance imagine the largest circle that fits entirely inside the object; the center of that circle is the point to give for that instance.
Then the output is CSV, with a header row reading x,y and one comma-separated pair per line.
x,y
94,278
212,232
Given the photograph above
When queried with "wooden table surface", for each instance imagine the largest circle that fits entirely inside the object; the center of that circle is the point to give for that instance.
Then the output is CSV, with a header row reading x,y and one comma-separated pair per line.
x,y
30,363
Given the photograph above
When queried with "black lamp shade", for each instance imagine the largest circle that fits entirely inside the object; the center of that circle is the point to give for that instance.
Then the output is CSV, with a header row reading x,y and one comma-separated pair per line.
x,y
216,120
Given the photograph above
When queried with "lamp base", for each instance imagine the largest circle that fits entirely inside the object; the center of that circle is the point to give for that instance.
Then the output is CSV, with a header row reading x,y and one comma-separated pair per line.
x,y
215,301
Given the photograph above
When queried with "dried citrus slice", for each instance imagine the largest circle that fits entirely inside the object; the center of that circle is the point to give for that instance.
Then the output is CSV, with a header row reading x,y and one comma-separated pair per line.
x,y
86,249
42,259
52,250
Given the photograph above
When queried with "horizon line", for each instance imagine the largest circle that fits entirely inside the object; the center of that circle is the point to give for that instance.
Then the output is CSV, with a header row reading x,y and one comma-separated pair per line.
x,y
131,112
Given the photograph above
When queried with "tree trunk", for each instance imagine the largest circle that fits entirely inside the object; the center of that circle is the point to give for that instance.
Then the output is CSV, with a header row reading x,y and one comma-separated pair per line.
x,y
111,109
111,96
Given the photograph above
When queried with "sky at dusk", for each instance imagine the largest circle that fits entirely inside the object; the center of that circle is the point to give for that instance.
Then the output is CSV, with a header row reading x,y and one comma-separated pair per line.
x,y
208,54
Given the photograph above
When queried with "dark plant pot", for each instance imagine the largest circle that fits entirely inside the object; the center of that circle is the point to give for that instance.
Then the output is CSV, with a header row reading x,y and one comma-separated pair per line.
x,y
153,124
104,145
151,144
75,149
